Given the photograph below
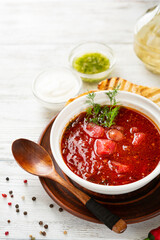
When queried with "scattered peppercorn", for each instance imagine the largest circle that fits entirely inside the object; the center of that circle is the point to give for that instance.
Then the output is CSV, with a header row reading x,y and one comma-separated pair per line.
x,y
34,198
46,226
25,181
16,206
65,232
12,196
60,209
51,205
41,223
7,178
23,197
10,192
17,210
4,195
25,213
9,204
9,221
31,237
43,233
6,233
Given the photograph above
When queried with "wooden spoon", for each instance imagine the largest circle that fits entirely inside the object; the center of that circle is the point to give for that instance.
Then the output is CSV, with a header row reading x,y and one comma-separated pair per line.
x,y
35,159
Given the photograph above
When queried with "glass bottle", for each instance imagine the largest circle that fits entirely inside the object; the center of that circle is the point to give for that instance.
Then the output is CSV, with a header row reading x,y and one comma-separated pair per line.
x,y
147,39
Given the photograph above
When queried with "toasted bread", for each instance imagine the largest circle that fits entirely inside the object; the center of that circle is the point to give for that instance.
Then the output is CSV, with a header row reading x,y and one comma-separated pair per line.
x,y
152,93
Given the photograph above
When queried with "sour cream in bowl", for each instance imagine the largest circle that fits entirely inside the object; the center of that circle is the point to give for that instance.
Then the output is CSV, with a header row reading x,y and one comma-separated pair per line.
x,y
55,86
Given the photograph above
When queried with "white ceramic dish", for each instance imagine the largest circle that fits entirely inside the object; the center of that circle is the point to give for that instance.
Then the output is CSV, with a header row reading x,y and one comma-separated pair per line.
x,y
69,112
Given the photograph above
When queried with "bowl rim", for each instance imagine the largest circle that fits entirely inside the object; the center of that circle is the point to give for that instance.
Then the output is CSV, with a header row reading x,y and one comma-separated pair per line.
x,y
118,189
94,75
34,91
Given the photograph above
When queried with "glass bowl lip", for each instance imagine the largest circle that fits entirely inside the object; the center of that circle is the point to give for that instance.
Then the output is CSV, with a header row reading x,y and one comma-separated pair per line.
x,y
94,75
42,100
140,17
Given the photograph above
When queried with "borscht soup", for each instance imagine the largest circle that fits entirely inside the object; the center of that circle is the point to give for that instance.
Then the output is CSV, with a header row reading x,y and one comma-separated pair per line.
x,y
120,148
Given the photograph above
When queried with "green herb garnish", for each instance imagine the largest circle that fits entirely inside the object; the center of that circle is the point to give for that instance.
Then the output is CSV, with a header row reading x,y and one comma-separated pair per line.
x,y
103,115
91,63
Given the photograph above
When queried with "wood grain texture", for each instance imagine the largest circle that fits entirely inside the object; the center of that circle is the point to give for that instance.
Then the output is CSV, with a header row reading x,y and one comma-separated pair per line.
x,y
35,35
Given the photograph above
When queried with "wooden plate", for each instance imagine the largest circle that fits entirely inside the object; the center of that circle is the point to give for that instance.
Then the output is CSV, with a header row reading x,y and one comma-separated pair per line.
x,y
133,209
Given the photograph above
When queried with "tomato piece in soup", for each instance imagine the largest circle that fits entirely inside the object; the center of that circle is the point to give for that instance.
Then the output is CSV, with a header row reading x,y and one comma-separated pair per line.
x,y
118,167
94,130
104,147
138,138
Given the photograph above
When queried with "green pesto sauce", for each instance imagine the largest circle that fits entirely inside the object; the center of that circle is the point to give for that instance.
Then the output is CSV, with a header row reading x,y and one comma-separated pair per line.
x,y
91,63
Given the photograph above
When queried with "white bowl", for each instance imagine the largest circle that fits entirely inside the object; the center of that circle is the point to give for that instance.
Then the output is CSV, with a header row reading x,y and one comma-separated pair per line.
x,y
69,112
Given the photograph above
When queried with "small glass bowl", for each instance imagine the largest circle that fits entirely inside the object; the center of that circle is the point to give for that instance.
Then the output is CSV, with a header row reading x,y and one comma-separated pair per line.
x,y
93,47
55,86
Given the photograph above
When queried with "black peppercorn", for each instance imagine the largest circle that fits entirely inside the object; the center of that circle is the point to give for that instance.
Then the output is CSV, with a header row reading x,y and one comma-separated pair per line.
x,y
41,223
46,226
34,198
43,233
60,209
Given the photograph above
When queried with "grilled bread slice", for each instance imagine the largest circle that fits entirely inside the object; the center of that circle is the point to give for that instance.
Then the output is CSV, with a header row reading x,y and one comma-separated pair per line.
x,y
152,93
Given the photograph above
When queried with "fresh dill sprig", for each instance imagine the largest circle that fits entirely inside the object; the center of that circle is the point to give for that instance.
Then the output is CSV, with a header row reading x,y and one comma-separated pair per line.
x,y
112,96
91,97
94,109
103,115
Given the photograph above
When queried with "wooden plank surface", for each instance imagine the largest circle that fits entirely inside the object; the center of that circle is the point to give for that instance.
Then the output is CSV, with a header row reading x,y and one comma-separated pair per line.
x,y
36,35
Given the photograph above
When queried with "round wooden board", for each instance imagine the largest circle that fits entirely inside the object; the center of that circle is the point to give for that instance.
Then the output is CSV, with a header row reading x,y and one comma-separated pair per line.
x,y
134,210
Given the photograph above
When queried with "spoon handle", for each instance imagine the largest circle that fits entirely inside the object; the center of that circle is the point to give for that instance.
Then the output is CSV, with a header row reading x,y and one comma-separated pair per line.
x,y
112,221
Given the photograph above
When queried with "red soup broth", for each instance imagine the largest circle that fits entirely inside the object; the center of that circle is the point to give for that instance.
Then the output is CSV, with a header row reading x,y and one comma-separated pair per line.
x,y
122,154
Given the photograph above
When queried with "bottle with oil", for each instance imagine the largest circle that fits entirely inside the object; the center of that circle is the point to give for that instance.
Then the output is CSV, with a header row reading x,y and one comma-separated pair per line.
x,y
147,39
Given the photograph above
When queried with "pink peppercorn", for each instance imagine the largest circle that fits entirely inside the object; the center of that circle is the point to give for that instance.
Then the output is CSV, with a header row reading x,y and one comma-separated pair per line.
x,y
6,233
4,195
25,181
9,204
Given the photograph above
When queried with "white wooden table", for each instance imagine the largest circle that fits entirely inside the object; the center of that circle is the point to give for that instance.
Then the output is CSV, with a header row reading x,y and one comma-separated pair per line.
x,y
35,35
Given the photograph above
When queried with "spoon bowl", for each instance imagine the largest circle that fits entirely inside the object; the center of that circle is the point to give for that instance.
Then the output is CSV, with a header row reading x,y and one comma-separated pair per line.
x,y
32,157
